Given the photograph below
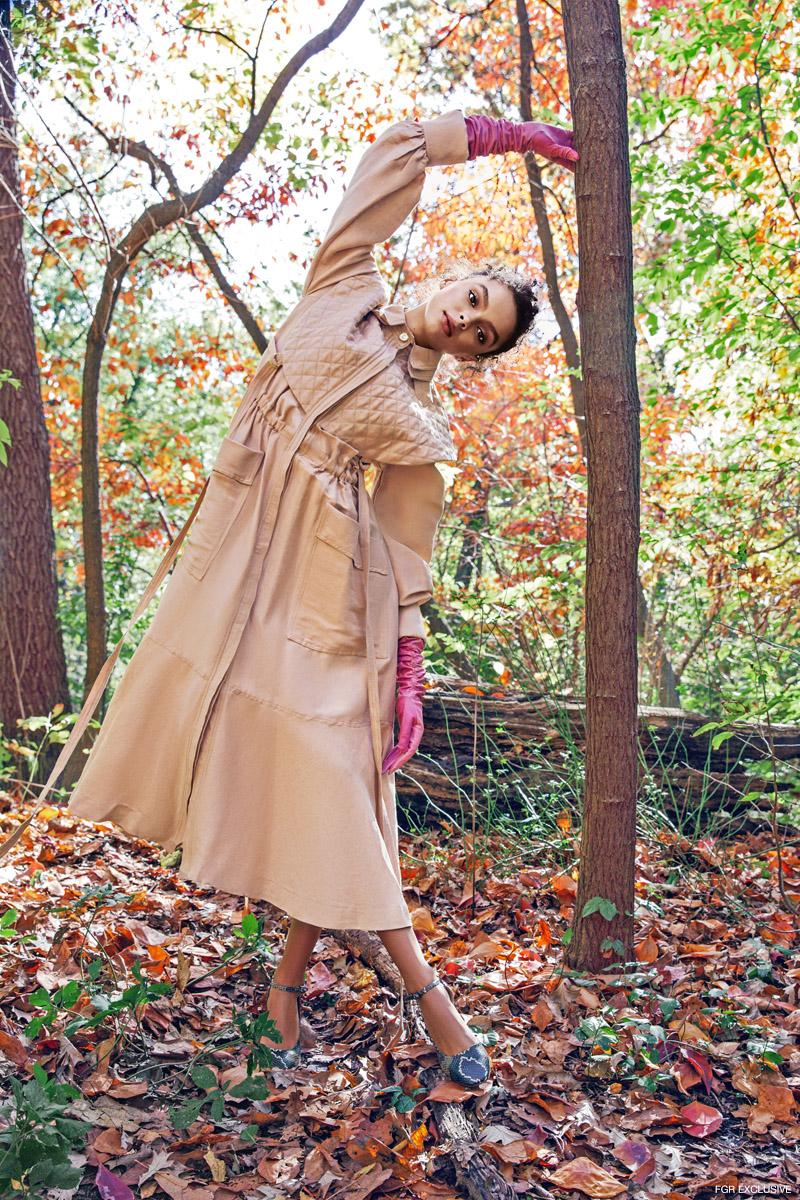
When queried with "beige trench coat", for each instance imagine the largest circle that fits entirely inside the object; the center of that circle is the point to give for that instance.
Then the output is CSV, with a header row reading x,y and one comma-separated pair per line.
x,y
252,719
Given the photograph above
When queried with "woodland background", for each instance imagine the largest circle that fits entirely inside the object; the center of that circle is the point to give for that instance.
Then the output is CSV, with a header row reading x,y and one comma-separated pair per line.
x,y
713,116
125,109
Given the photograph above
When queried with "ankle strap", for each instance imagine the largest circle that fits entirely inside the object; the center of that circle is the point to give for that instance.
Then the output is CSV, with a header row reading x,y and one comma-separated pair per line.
x,y
284,988
427,988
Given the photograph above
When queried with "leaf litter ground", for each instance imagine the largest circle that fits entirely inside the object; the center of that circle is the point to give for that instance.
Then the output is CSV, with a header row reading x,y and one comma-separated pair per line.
x,y
674,1076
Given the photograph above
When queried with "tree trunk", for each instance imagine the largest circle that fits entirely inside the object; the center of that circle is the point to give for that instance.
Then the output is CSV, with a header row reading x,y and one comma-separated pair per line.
x,y
653,648
596,68
33,675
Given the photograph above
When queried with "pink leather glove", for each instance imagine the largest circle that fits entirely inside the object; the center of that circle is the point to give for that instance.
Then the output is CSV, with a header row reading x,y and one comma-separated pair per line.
x,y
410,690
485,135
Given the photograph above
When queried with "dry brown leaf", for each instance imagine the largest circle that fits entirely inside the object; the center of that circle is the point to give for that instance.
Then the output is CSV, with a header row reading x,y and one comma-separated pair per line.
x,y
565,887
587,1177
449,1092
216,1166
636,1156
421,919
557,1109
685,1076
13,1048
778,1098
182,1189
541,1013
109,1142
747,1075
687,1032
647,950
518,1151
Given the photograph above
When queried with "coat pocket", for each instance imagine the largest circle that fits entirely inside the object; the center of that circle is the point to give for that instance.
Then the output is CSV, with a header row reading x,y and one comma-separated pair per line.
x,y
233,471
329,613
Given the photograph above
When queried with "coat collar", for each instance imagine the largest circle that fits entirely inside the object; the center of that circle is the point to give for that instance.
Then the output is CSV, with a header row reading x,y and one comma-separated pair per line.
x,y
422,363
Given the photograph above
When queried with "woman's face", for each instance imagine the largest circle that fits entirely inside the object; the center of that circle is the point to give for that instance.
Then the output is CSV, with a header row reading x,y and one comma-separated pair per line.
x,y
468,317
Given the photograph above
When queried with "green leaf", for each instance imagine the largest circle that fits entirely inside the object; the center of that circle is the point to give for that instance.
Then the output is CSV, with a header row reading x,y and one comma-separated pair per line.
x,y
203,1076
598,904
250,1089
249,925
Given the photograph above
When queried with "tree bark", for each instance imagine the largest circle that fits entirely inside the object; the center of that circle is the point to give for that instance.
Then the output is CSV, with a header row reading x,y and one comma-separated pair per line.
x,y
155,218
654,649
33,674
596,68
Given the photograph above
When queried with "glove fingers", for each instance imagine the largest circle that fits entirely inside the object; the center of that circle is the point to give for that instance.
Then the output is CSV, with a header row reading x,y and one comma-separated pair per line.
x,y
408,743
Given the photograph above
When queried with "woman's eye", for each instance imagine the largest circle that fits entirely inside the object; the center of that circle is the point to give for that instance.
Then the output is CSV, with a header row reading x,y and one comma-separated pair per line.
x,y
473,298
481,336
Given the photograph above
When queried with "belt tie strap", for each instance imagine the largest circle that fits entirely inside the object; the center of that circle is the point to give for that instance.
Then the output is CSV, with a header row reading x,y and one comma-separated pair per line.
x,y
372,667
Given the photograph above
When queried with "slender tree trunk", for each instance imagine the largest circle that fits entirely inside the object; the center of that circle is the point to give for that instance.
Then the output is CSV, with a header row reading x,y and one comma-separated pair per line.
x,y
33,676
596,66
654,649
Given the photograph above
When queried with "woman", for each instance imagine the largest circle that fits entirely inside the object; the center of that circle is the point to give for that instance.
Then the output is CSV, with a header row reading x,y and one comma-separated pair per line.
x,y
254,722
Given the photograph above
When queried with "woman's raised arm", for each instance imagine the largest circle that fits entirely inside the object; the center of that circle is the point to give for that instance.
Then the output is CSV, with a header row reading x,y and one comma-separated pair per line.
x,y
385,188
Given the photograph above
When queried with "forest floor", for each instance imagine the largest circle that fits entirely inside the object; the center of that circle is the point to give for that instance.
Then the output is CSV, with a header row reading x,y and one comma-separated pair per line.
x,y
678,1078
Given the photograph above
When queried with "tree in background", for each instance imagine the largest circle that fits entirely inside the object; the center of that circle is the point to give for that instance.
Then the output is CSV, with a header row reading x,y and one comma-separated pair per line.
x,y
191,185
603,925
33,675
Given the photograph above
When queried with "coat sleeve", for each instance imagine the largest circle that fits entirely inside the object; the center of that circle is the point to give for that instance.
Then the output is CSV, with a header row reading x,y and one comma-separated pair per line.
x,y
408,504
385,188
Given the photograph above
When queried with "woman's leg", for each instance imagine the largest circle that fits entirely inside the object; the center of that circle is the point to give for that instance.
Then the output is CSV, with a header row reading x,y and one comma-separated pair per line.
x,y
282,1006
445,1024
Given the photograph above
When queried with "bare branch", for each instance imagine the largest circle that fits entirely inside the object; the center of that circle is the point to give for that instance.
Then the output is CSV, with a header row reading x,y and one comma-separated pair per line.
x,y
153,219
237,304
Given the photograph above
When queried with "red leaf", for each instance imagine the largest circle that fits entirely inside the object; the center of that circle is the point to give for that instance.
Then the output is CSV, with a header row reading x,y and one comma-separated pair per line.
x,y
700,1119
700,1064
110,1187
318,981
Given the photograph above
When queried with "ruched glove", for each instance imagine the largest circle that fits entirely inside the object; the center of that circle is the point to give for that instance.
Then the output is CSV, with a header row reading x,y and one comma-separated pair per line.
x,y
486,135
410,690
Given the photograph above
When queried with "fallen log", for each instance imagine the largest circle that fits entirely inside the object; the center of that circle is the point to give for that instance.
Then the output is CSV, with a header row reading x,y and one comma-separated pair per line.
x,y
510,748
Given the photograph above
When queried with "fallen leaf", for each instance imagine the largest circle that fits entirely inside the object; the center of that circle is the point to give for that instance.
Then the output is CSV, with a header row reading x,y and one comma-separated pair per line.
x,y
775,1103
565,887
746,1077
110,1186
181,1189
109,1141
318,981
647,950
541,1013
700,1064
449,1092
518,1151
421,919
700,1119
685,1076
13,1048
688,1032
216,1166
636,1156
587,1177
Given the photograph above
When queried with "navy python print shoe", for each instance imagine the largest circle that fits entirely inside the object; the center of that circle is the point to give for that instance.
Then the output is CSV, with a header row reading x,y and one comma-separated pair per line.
x,y
470,1067
291,1056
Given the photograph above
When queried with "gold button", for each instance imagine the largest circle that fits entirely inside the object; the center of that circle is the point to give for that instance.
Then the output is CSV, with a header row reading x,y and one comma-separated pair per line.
x,y
403,337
